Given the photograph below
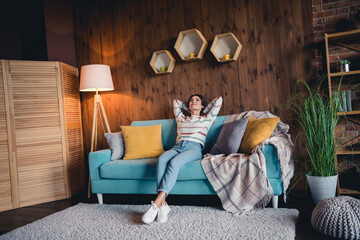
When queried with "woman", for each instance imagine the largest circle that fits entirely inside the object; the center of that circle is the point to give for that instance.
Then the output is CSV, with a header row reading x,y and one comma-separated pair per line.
x,y
191,136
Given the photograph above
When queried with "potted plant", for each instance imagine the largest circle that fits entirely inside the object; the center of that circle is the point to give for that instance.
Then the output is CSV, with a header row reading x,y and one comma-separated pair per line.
x,y
345,65
316,114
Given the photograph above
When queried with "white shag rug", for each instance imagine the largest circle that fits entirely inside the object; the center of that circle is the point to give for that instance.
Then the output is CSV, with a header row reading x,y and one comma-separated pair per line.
x,y
95,221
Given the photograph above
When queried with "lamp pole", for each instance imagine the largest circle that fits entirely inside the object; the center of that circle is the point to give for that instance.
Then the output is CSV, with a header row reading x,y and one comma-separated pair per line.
x,y
95,78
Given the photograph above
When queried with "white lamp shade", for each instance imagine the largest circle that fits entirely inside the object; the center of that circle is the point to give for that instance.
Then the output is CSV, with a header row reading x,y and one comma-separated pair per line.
x,y
96,77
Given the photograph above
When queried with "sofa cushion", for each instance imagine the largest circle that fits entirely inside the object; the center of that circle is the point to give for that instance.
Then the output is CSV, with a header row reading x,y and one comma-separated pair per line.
x,y
230,137
168,130
257,131
142,142
116,144
146,169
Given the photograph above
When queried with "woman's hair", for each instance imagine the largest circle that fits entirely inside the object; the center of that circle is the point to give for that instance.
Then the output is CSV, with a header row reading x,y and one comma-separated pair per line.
x,y
203,102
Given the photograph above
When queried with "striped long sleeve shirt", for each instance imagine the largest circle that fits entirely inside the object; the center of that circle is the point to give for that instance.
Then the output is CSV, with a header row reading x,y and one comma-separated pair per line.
x,y
195,128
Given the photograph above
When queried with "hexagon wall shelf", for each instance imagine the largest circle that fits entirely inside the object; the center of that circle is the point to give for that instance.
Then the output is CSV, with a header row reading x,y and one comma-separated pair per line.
x,y
162,58
191,45
226,44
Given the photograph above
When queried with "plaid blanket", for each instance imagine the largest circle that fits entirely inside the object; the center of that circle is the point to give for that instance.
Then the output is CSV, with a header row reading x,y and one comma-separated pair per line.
x,y
239,179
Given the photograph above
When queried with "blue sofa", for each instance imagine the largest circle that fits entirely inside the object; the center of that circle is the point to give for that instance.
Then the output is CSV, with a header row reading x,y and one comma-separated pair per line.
x,y
139,176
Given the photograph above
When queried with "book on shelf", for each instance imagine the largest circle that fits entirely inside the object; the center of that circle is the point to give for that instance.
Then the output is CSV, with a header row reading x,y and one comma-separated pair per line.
x,y
338,100
343,98
348,100
343,101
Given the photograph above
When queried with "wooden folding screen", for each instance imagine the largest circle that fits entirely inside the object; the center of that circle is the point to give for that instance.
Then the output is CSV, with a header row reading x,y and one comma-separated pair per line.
x,y
41,155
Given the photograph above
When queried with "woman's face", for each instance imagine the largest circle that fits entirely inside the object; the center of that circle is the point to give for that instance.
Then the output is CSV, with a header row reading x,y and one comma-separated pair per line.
x,y
195,103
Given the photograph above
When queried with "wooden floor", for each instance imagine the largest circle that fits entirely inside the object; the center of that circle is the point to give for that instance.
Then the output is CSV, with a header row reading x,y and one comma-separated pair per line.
x,y
13,219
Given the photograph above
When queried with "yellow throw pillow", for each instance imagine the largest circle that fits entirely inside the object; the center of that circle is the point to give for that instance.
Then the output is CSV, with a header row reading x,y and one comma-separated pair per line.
x,y
257,130
142,142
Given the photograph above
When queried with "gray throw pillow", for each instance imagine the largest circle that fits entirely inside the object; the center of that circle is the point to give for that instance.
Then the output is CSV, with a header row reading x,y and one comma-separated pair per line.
x,y
116,144
229,139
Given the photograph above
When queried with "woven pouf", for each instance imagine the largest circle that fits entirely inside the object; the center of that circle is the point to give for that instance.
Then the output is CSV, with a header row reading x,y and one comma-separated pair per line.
x,y
337,217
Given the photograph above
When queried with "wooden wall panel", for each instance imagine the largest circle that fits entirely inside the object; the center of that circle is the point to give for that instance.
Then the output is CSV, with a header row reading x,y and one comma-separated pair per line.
x,y
275,35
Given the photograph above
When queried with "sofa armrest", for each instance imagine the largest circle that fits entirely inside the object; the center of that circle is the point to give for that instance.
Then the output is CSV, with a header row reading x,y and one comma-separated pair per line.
x,y
96,159
272,161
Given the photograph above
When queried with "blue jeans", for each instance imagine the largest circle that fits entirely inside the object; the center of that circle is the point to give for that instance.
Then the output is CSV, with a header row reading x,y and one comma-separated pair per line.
x,y
170,162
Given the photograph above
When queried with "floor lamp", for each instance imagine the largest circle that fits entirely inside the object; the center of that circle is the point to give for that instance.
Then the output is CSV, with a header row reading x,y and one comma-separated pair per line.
x,y
95,78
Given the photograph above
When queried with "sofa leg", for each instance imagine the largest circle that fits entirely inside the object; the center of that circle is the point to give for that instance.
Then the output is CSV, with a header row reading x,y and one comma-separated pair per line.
x,y
275,199
100,198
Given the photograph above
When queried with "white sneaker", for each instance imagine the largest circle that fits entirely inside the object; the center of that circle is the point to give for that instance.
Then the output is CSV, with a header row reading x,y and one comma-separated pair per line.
x,y
150,214
163,213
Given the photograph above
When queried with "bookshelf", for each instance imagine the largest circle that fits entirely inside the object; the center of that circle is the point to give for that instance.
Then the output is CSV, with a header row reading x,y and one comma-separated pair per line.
x,y
349,113
190,45
226,44
349,40
339,74
162,58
